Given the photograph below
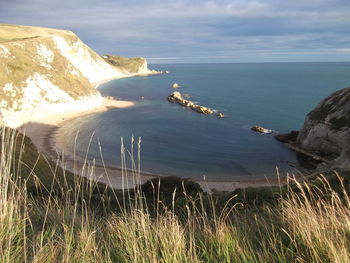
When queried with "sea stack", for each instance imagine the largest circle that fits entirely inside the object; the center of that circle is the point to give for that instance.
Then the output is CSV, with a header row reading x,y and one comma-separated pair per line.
x,y
176,86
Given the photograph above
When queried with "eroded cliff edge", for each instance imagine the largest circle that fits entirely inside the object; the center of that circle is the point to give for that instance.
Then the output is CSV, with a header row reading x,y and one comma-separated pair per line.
x,y
326,131
46,71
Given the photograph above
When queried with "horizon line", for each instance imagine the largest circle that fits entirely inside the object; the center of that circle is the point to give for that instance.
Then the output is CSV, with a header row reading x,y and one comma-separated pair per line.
x,y
248,62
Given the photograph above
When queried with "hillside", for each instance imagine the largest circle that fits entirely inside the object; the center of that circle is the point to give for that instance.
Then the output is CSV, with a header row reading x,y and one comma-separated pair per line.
x,y
330,119
325,135
46,71
71,220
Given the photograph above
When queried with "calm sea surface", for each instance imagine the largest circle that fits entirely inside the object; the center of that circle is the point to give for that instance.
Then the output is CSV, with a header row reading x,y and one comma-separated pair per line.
x,y
179,141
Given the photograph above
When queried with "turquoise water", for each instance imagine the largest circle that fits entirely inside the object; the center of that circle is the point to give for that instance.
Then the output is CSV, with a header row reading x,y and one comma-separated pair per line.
x,y
178,141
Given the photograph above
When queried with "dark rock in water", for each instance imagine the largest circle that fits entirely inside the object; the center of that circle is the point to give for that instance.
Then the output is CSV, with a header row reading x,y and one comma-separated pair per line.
x,y
307,162
287,137
290,140
220,115
260,129
171,99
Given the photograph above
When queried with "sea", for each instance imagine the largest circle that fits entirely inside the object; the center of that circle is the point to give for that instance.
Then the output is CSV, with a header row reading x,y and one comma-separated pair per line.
x,y
178,141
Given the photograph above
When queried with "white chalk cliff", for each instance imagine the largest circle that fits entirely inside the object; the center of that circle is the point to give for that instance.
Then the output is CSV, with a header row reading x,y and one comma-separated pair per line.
x,y
48,71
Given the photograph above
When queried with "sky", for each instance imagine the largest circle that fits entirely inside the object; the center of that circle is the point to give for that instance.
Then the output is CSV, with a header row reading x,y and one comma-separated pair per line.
x,y
198,31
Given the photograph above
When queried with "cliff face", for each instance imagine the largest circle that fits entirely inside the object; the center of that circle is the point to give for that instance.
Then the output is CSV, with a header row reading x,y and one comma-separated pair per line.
x,y
48,71
130,65
326,129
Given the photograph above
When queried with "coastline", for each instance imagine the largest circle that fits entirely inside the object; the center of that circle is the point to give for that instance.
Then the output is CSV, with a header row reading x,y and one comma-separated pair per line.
x,y
48,139
45,134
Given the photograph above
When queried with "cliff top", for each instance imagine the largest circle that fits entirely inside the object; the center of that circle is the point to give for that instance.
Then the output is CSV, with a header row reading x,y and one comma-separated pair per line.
x,y
131,65
10,32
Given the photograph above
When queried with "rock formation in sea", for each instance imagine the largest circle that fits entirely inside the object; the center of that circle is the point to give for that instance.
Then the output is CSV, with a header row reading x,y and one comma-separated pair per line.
x,y
261,129
46,71
326,130
178,98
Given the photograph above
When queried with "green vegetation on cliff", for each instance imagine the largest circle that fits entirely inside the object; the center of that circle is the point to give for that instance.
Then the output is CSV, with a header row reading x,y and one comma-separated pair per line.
x,y
47,71
9,32
131,65
30,56
333,110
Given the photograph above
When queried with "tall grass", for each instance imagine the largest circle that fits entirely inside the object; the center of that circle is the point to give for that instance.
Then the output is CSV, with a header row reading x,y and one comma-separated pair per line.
x,y
13,213
310,224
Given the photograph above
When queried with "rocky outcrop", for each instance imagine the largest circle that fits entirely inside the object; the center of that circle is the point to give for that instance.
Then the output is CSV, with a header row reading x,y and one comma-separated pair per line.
x,y
288,137
48,71
178,98
261,129
326,130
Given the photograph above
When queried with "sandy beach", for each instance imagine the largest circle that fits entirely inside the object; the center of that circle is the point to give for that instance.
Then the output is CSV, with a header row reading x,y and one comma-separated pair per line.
x,y
46,135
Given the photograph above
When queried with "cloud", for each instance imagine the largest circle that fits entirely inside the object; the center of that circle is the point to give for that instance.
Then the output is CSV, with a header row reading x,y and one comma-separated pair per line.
x,y
197,30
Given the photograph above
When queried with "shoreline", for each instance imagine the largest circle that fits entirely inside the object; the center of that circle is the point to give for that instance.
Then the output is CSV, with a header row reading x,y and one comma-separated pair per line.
x,y
45,134
48,139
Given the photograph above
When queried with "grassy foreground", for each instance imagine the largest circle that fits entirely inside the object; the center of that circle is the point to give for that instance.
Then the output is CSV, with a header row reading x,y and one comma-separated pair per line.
x,y
299,223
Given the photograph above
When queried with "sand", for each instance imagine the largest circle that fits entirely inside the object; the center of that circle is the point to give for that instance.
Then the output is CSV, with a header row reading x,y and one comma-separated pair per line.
x,y
47,136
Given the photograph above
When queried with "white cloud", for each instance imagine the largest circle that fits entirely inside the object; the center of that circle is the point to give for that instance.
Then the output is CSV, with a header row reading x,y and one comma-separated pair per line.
x,y
199,28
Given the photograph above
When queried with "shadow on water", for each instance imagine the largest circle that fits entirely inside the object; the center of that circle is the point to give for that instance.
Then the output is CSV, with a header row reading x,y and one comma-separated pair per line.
x,y
235,166
44,136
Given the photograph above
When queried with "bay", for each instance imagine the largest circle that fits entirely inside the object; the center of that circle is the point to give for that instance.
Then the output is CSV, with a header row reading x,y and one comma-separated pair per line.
x,y
179,141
